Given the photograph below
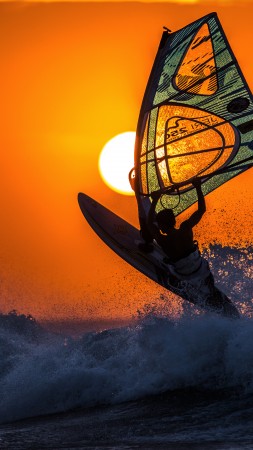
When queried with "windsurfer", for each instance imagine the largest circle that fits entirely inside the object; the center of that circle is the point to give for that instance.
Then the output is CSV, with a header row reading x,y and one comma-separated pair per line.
x,y
176,243
188,271
182,253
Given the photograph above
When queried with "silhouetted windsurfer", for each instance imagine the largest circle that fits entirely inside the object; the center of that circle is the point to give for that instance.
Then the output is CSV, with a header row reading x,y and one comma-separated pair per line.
x,y
185,263
182,253
177,243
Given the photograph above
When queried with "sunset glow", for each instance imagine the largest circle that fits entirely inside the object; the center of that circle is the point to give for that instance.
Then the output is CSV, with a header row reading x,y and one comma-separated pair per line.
x,y
73,76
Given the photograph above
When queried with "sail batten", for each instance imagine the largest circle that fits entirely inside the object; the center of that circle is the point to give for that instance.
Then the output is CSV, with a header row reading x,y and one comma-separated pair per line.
x,y
196,118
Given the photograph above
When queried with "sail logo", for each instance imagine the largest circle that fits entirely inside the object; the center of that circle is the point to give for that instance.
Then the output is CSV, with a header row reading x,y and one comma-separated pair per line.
x,y
179,127
197,73
190,142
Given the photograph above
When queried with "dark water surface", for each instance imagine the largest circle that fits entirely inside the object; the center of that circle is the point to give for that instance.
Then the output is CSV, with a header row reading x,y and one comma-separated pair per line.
x,y
187,419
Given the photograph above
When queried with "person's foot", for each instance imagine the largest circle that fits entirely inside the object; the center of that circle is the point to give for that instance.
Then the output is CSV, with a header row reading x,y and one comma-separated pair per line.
x,y
146,247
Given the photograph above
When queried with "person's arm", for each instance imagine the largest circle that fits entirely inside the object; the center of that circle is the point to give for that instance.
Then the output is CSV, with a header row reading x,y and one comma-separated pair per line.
x,y
153,228
197,215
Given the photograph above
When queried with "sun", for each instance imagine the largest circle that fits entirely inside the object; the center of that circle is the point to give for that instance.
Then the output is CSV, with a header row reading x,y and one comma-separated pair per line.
x,y
116,160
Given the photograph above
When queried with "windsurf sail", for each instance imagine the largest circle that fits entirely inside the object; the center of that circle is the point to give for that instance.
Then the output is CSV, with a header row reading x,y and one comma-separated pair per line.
x,y
196,118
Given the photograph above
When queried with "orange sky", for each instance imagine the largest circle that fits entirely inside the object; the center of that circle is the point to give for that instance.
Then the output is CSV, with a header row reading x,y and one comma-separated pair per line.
x,y
72,77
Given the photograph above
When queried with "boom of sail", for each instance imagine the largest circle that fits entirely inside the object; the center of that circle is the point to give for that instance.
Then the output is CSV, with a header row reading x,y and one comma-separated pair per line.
x,y
196,118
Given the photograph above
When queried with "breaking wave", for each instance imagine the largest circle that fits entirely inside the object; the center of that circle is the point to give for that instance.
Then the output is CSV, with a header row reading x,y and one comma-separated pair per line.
x,y
43,372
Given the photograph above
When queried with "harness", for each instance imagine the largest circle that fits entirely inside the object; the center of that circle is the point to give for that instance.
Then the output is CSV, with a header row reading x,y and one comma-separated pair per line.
x,y
168,260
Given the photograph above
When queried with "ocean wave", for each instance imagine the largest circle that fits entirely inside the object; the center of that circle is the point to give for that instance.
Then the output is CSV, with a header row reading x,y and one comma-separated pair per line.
x,y
43,372
55,373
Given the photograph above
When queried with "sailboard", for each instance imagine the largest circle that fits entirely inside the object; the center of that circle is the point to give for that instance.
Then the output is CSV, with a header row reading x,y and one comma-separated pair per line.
x,y
196,118
123,238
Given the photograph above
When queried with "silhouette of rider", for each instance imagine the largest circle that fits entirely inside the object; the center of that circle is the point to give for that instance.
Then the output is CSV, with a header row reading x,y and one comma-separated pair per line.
x,y
177,243
185,263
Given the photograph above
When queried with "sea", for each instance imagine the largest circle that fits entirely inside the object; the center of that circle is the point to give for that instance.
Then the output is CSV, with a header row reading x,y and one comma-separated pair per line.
x,y
161,381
